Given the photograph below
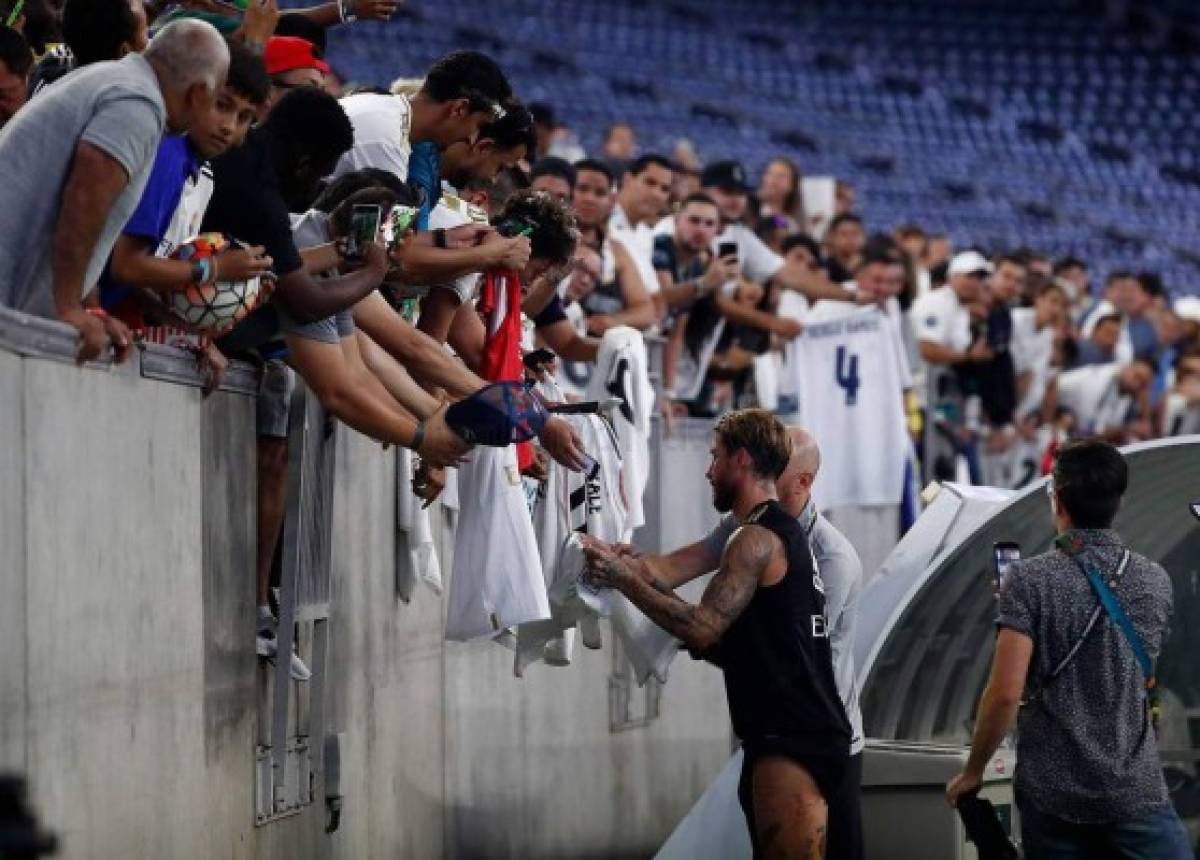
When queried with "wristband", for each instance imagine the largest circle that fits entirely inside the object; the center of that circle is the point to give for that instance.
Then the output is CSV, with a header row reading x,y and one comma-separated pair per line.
x,y
202,271
346,11
418,438
439,238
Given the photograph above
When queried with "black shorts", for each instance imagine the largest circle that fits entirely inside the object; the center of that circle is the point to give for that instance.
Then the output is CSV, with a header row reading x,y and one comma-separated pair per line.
x,y
838,776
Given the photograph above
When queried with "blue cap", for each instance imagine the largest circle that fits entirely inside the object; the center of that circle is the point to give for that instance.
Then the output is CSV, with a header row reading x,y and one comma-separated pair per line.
x,y
502,413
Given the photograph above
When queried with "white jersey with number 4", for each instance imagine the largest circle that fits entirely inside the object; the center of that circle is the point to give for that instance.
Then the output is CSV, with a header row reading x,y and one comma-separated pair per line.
x,y
848,370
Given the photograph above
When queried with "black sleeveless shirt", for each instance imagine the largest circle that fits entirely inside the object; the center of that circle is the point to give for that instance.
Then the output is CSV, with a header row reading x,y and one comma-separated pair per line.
x,y
777,657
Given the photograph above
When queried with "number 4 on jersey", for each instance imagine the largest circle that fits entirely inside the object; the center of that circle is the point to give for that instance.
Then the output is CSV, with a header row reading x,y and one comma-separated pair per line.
x,y
847,374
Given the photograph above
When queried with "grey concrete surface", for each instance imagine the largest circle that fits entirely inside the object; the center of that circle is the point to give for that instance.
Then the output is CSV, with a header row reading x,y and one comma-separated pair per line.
x,y
12,563
130,696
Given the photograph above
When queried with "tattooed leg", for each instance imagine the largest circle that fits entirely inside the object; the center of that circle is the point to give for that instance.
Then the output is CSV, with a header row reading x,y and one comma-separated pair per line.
x,y
789,811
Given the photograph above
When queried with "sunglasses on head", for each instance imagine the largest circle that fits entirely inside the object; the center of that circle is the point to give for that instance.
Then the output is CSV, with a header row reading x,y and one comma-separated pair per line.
x,y
482,104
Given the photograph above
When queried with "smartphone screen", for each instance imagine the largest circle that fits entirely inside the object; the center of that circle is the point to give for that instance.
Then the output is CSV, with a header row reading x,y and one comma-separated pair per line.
x,y
727,249
1004,554
364,223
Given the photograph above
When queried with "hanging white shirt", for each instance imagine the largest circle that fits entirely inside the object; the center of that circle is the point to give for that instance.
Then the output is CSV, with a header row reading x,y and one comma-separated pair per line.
x,y
497,579
412,519
622,371
848,371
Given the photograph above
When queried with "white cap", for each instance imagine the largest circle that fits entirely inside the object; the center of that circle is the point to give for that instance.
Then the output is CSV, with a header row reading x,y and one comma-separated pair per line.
x,y
1188,307
969,263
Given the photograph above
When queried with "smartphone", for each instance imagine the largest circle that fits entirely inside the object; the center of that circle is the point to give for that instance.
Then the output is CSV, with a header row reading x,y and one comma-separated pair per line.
x,y
399,220
365,219
727,249
1004,554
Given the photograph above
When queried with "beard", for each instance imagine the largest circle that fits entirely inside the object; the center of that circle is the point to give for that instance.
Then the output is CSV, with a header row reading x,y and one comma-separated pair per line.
x,y
723,498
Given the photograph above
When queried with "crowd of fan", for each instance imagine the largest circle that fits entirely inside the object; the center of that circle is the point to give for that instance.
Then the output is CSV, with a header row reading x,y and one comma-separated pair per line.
x,y
234,123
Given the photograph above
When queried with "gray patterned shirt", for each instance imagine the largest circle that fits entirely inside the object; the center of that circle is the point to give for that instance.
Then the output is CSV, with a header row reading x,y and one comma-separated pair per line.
x,y
1085,749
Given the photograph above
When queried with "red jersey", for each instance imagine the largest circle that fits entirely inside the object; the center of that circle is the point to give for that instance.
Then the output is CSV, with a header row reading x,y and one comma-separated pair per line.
x,y
499,306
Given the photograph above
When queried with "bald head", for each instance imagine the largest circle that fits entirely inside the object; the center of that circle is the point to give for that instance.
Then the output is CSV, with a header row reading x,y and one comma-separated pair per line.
x,y
188,52
190,59
795,484
806,455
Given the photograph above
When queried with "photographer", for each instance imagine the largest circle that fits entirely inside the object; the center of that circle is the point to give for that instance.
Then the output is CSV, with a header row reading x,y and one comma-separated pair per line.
x,y
1076,673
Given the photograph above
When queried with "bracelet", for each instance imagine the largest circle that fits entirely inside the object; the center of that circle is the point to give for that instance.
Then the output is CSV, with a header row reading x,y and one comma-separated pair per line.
x,y
203,271
439,238
346,11
418,438
96,312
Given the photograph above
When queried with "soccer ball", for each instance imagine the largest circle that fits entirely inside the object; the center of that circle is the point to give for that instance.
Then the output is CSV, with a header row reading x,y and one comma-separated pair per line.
x,y
212,309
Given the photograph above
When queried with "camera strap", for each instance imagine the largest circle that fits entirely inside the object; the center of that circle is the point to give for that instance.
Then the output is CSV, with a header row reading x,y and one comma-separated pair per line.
x,y
1095,616
1113,607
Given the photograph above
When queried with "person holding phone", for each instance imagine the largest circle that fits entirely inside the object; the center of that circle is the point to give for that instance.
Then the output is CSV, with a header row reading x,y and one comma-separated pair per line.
x,y
725,182
1004,555
1079,630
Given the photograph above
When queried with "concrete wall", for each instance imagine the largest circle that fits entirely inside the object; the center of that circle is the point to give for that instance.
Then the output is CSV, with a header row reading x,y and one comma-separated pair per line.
x,y
130,697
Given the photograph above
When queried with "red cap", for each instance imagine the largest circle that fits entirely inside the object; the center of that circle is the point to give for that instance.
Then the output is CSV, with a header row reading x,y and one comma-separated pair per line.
x,y
286,53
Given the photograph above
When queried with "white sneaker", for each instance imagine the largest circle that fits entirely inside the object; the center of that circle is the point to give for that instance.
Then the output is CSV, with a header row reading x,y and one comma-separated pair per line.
x,y
267,647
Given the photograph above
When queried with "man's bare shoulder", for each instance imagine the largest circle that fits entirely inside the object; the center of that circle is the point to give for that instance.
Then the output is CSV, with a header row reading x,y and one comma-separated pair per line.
x,y
750,550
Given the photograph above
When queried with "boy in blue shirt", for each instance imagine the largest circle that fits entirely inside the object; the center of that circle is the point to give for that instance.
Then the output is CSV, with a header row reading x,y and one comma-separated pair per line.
x,y
174,202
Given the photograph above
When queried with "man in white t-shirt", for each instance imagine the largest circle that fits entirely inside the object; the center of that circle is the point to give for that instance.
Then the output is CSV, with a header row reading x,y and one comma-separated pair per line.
x,y
1033,347
1106,400
644,194
461,92
942,317
941,321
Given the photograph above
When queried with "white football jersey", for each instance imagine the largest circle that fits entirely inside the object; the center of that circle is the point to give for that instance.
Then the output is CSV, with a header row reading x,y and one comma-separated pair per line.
x,y
497,577
189,212
570,503
848,371
622,371
412,519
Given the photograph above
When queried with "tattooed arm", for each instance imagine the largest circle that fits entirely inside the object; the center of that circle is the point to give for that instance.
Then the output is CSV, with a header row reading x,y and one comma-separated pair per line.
x,y
746,559
668,572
